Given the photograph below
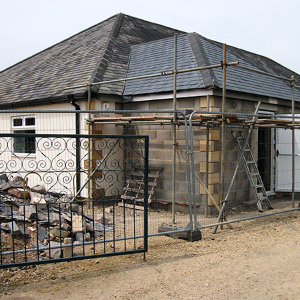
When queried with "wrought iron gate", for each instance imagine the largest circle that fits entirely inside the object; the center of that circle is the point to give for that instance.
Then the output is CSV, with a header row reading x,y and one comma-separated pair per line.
x,y
60,197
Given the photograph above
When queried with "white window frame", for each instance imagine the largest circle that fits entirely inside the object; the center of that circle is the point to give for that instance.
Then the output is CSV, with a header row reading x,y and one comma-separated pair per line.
x,y
22,128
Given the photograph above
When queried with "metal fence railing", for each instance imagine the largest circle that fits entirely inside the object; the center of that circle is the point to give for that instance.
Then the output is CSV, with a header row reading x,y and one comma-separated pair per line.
x,y
61,200
58,172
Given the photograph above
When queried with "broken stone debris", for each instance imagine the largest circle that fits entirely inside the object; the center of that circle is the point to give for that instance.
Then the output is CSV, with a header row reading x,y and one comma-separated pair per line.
x,y
13,228
51,221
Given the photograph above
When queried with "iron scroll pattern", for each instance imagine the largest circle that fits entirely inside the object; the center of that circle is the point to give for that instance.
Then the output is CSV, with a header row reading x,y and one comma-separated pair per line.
x,y
74,166
62,225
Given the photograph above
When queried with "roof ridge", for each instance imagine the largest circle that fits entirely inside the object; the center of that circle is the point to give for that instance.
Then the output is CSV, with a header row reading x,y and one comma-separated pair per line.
x,y
155,41
220,45
154,23
52,46
208,76
236,51
98,73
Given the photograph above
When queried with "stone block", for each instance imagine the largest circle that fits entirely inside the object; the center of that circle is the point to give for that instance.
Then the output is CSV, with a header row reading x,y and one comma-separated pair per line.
x,y
216,197
16,182
231,156
65,226
163,134
67,251
102,219
42,234
58,232
203,145
215,109
214,156
55,218
203,167
39,189
78,224
213,167
82,237
19,193
164,155
180,135
54,253
13,228
74,207
24,232
203,102
186,103
28,211
210,189
214,134
214,178
199,156
3,178
109,210
36,198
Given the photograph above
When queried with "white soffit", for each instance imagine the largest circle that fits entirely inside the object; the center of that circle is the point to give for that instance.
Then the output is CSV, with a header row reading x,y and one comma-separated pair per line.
x,y
183,94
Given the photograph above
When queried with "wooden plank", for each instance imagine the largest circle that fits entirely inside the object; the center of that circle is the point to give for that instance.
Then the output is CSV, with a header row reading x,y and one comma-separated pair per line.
x,y
137,190
136,207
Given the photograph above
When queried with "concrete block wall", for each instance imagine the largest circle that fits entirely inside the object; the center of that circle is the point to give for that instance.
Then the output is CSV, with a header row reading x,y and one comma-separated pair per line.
x,y
161,154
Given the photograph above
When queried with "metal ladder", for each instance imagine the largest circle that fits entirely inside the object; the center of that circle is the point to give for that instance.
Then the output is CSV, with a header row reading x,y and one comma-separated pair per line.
x,y
134,189
252,171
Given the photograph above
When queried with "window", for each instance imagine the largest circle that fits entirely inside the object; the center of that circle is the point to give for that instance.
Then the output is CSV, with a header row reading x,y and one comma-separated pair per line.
x,y
23,126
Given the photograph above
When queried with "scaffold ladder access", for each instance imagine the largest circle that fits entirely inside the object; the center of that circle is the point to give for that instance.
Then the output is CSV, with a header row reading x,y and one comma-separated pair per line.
x,y
252,171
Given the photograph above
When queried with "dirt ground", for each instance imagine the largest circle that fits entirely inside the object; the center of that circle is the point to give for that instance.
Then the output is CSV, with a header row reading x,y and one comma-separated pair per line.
x,y
257,259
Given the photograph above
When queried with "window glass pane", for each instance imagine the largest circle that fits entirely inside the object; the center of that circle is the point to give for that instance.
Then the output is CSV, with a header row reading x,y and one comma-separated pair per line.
x,y
17,122
29,121
23,143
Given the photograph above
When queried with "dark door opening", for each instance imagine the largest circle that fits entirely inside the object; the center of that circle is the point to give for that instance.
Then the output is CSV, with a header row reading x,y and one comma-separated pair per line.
x,y
264,156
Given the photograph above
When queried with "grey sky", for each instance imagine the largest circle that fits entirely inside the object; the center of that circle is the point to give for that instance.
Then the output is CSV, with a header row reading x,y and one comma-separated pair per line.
x,y
266,27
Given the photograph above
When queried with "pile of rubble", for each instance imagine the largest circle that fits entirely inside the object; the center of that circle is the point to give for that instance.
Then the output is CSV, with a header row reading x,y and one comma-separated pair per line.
x,y
46,221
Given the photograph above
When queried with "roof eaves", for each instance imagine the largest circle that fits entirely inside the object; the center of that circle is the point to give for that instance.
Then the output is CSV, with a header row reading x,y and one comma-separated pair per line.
x,y
207,75
43,101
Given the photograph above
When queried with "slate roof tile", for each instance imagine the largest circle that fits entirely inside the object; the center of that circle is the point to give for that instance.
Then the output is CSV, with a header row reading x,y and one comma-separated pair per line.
x,y
126,46
195,50
97,53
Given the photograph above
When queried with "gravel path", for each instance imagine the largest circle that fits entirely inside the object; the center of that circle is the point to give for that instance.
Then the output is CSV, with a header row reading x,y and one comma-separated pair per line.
x,y
258,259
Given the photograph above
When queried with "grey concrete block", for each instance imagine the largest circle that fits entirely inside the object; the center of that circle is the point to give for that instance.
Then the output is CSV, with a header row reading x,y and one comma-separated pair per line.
x,y
13,228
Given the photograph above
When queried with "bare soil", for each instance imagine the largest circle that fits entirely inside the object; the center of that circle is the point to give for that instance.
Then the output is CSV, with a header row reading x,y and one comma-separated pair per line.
x,y
257,259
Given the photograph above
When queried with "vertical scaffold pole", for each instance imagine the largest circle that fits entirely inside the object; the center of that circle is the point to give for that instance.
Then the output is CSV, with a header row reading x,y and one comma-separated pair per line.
x,y
89,144
293,141
174,132
222,173
207,160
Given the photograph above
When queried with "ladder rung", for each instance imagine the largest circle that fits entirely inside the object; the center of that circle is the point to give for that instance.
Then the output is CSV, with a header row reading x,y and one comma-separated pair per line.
x,y
141,191
141,183
254,174
250,162
153,175
258,186
130,197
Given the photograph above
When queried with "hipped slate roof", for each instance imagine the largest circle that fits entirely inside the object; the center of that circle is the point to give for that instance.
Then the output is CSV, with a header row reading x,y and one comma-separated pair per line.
x,y
193,50
102,52
98,53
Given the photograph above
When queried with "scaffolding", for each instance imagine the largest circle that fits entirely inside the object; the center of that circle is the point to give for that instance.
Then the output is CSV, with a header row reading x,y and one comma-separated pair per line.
x,y
189,119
